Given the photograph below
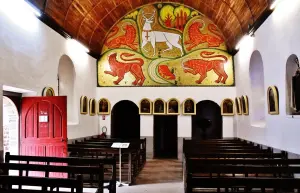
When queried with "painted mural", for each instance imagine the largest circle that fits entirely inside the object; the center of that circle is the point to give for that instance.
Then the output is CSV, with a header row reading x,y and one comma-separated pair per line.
x,y
165,44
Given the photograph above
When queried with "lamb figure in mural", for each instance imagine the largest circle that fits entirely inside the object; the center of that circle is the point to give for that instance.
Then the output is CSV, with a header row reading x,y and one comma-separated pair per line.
x,y
171,39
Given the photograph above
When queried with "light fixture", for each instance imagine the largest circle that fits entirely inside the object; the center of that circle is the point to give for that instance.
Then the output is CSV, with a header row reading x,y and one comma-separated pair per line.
x,y
274,4
33,9
77,45
242,41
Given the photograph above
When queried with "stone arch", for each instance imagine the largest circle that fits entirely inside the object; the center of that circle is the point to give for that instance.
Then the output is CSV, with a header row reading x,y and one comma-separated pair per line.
x,y
66,76
257,82
291,67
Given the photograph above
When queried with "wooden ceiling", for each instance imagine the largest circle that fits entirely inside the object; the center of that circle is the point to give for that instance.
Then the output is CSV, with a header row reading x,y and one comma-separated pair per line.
x,y
88,21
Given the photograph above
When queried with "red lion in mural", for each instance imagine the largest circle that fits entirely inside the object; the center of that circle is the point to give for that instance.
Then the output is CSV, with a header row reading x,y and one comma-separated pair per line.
x,y
119,69
127,39
197,37
201,67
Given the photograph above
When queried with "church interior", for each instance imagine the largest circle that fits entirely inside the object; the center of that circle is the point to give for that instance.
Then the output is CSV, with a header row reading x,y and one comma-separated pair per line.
x,y
132,96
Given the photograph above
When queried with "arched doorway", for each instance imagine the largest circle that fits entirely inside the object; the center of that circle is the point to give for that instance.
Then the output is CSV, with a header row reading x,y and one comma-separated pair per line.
x,y
125,120
208,122
256,70
10,127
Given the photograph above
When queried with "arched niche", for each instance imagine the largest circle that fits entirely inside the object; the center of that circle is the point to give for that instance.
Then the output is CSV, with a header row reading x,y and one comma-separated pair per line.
x,y
66,83
173,107
273,100
189,107
145,107
104,107
257,82
84,105
291,68
48,91
238,105
159,107
208,121
92,107
227,107
125,120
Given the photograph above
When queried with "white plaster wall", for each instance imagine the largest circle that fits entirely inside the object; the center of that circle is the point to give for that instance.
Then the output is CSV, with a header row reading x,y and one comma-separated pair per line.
x,y
29,59
216,94
276,40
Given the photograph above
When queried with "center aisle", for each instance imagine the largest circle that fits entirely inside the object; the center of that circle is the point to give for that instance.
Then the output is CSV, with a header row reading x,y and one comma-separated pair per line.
x,y
160,171
158,176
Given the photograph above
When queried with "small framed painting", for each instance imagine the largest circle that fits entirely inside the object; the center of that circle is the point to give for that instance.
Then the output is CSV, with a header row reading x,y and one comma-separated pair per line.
x,y
189,107
92,105
173,107
238,106
83,105
227,107
145,107
245,105
103,107
273,100
159,107
48,91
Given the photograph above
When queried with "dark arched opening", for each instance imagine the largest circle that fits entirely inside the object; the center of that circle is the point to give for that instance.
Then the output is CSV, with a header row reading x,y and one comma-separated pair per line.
x,y
125,120
208,122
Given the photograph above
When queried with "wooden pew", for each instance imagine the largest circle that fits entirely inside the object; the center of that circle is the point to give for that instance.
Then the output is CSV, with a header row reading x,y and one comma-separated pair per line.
x,y
203,170
86,151
142,142
108,163
137,155
7,183
70,171
242,182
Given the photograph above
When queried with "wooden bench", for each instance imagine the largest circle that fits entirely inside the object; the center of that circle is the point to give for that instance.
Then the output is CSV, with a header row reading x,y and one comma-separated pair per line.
x,y
7,183
108,163
236,157
142,143
130,167
248,183
70,172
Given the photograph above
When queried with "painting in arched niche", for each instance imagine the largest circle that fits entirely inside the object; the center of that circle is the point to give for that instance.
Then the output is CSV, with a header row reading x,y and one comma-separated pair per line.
x,y
165,44
227,107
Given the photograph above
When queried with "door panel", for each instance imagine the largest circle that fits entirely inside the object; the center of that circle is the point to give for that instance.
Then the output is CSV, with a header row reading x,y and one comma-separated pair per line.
x,y
165,136
44,127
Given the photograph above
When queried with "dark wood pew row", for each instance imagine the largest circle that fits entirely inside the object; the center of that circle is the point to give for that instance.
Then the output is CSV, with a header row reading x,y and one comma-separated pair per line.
x,y
108,164
55,171
129,165
39,184
247,183
142,142
216,164
140,153
133,157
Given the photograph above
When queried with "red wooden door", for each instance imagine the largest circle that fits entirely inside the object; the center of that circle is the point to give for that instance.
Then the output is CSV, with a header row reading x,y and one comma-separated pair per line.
x,y
44,126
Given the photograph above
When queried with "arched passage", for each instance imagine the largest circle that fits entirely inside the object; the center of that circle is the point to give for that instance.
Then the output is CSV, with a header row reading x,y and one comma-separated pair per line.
x,y
256,70
291,68
208,122
66,75
125,120
10,127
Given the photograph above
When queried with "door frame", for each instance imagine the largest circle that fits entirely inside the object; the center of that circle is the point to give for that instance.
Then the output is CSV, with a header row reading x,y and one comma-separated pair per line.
x,y
154,137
